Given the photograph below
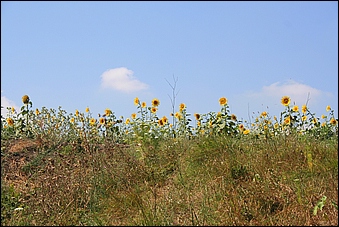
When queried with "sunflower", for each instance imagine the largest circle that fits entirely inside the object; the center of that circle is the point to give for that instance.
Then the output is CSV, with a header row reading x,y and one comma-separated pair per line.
x,y
108,112
76,113
87,110
72,120
246,131
197,116
164,119
92,121
133,115
178,115
136,101
102,121
13,109
182,106
285,100
10,121
161,122
304,108
155,102
287,120
303,118
37,111
323,116
143,104
241,127
25,99
333,121
263,114
223,101
328,108
233,117
315,120
154,109
127,121
295,108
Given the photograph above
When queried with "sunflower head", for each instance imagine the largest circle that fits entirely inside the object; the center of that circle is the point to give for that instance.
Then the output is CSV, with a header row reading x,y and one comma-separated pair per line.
x,y
223,101
102,121
233,117
108,112
328,108
295,108
25,99
161,122
133,115
136,101
155,102
178,115
154,109
10,121
285,100
182,106
333,121
303,108
143,104
246,132
287,120
197,116
263,114
92,121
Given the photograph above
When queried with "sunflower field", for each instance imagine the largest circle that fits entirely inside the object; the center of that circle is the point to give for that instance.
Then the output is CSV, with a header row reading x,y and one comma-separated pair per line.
x,y
60,168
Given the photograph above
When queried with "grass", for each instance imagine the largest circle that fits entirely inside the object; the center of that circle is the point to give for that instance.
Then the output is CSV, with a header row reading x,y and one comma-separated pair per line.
x,y
149,173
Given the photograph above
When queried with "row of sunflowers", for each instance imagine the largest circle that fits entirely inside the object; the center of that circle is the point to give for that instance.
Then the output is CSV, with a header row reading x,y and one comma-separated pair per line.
x,y
145,123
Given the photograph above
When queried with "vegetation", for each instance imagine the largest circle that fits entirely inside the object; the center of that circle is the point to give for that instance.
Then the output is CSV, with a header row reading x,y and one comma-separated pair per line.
x,y
74,169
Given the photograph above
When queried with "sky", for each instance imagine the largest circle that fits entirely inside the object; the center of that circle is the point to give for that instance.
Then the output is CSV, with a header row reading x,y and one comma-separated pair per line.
x,y
104,54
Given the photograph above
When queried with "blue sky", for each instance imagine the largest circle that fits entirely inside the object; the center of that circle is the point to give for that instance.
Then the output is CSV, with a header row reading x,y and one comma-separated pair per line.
x,y
104,54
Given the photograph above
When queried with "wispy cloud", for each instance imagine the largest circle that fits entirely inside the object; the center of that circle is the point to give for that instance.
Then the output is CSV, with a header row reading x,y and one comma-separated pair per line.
x,y
296,91
268,98
5,102
122,79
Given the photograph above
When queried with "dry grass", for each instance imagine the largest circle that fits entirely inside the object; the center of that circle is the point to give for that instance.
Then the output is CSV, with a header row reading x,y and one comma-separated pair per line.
x,y
203,181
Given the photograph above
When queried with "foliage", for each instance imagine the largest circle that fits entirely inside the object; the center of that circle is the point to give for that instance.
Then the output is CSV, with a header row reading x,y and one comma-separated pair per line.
x,y
212,169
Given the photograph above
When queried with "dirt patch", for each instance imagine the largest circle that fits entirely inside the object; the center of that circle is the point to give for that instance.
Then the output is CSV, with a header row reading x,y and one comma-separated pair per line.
x,y
22,144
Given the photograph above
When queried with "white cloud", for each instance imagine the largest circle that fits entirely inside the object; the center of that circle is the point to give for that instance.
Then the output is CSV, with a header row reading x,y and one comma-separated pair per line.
x,y
121,79
296,91
5,102
269,99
